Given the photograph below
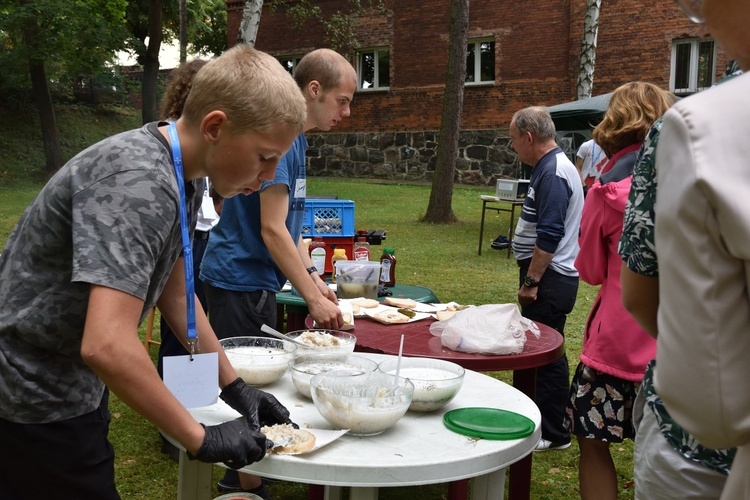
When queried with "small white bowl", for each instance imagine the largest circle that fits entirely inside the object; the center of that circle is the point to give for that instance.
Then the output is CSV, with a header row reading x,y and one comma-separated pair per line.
x,y
436,382
304,368
331,345
365,404
259,360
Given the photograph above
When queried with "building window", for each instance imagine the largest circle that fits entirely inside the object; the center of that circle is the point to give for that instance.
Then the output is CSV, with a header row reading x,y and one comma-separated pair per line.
x,y
693,65
374,69
289,63
480,62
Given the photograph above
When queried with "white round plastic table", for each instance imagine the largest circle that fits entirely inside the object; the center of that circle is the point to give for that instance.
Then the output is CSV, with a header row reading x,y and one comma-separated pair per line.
x,y
418,449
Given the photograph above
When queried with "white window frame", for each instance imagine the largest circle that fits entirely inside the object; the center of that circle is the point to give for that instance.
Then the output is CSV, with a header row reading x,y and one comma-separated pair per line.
x,y
693,68
376,83
293,59
478,61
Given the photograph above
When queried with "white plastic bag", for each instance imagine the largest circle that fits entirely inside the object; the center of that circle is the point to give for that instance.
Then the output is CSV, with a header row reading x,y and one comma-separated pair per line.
x,y
487,329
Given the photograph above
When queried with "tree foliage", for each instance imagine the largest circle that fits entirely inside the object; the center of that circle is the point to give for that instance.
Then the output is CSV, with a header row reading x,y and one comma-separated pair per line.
x,y
207,33
73,38
55,41
206,24
159,21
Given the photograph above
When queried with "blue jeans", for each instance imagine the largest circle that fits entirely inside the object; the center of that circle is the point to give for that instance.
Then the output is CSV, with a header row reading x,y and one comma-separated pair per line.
x,y
555,300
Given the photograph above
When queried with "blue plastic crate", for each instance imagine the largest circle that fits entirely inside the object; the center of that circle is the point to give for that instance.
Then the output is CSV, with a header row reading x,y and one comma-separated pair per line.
x,y
328,218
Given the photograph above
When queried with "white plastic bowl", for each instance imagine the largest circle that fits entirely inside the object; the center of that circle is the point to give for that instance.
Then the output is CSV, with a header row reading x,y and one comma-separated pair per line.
x,y
259,360
331,345
366,404
436,382
304,368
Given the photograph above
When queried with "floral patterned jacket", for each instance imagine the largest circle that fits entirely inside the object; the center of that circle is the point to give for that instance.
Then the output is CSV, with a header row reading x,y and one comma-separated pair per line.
x,y
638,251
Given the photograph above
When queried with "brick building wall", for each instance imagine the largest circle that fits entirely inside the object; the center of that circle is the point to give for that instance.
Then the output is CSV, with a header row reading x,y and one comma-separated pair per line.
x,y
537,48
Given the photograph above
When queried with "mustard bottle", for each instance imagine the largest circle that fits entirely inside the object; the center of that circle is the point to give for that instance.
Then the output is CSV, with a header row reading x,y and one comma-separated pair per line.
x,y
338,254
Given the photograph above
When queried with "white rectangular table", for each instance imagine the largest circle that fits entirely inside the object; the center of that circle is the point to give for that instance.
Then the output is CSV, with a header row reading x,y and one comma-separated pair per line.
x,y
419,449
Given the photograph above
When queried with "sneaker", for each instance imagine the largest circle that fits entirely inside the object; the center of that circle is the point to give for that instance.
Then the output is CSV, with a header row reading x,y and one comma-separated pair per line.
x,y
546,445
500,243
230,482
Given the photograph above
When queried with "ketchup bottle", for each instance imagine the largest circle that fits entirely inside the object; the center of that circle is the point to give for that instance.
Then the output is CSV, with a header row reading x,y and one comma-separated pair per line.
x,y
388,267
361,249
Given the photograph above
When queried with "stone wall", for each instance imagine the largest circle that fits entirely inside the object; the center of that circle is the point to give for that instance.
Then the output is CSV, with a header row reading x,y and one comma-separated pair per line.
x,y
483,156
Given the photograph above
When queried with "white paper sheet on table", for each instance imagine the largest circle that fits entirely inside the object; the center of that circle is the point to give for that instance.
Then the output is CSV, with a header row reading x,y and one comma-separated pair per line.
x,y
323,437
427,308
373,311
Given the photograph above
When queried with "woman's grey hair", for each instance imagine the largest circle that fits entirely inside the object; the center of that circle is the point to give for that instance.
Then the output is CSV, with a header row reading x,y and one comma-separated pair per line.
x,y
537,120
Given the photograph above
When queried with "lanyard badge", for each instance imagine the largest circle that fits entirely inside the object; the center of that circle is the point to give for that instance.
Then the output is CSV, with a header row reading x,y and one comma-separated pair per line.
x,y
191,379
187,250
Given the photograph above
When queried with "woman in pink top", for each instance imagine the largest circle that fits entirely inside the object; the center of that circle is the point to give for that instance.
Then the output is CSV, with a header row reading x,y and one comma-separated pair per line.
x,y
615,348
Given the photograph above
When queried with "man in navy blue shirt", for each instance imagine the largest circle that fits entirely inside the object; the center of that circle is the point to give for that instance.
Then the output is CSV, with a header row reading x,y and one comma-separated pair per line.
x,y
545,246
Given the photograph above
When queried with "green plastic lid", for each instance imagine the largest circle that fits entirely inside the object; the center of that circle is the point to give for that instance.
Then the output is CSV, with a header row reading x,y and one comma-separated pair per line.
x,y
488,423
389,251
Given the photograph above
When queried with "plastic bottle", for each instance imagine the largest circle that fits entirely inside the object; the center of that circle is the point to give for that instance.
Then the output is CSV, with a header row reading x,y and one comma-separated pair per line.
x,y
338,254
361,249
318,254
388,267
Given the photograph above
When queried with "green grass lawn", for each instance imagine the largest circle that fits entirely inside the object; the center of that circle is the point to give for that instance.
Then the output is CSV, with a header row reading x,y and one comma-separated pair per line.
x,y
443,258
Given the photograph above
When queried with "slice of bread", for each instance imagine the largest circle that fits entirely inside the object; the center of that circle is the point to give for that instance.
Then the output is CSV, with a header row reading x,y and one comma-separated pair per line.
x,y
363,302
301,442
401,303
391,316
443,315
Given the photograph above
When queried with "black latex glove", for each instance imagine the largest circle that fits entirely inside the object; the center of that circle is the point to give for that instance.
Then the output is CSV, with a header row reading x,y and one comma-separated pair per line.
x,y
232,443
259,408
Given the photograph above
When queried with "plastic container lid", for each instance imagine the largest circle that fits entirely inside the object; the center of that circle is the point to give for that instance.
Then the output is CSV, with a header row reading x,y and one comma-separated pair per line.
x,y
488,423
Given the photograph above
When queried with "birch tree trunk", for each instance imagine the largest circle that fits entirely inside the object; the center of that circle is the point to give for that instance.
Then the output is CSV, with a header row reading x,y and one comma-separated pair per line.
x,y
439,209
588,49
250,22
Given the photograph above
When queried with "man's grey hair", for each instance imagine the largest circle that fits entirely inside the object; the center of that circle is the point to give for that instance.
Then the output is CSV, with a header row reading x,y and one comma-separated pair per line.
x,y
537,120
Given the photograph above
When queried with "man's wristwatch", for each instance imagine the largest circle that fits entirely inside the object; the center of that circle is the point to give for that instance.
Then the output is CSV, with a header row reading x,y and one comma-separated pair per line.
x,y
527,281
311,270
